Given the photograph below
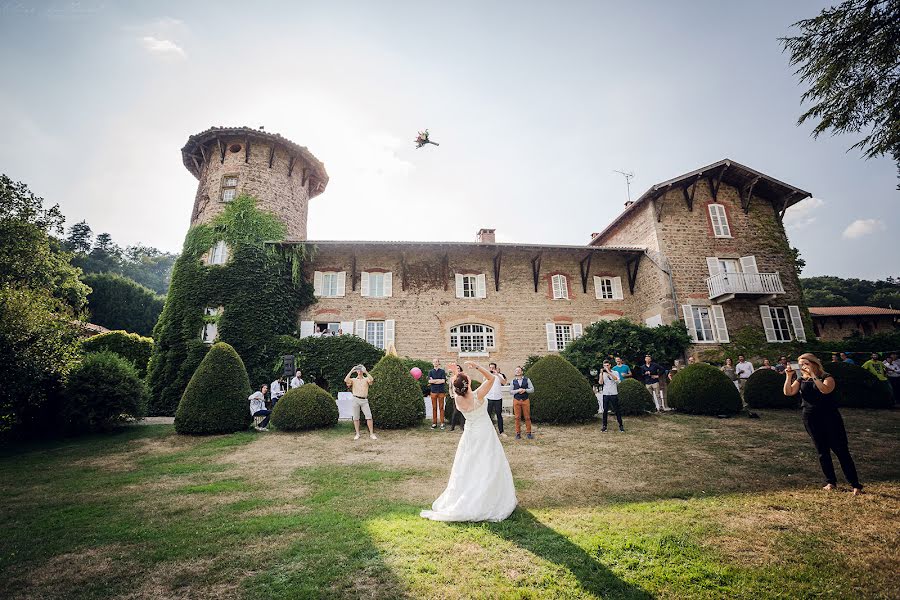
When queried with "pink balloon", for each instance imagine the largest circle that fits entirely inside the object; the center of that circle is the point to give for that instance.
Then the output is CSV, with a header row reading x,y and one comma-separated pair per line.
x,y
416,372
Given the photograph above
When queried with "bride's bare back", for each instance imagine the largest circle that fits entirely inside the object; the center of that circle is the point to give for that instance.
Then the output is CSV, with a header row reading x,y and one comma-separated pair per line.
x,y
471,400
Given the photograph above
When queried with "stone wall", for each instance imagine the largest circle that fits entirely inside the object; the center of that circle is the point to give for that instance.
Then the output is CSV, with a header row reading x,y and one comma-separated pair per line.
x,y
426,310
835,329
286,196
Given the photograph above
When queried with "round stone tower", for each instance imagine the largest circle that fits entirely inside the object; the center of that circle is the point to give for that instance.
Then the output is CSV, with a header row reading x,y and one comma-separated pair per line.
x,y
230,161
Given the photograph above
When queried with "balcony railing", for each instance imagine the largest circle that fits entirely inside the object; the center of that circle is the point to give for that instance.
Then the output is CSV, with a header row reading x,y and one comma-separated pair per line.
x,y
724,284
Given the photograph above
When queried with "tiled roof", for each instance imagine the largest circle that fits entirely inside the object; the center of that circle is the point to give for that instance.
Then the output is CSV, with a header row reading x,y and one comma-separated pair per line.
x,y
850,311
463,245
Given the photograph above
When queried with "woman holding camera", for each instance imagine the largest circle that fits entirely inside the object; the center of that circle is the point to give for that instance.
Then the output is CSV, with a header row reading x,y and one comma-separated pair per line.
x,y
821,418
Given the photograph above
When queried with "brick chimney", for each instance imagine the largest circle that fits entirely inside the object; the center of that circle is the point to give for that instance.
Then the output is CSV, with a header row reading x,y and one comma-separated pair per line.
x,y
486,236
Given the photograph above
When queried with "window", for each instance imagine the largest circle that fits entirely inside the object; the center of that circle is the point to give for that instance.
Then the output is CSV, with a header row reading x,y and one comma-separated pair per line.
x,y
229,187
218,254
210,329
706,324
329,284
605,291
776,320
780,324
703,324
608,288
560,287
329,328
376,284
471,286
563,336
472,338
375,333
719,221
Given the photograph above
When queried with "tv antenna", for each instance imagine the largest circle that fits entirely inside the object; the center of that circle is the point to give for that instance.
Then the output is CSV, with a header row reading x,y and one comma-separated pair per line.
x,y
628,175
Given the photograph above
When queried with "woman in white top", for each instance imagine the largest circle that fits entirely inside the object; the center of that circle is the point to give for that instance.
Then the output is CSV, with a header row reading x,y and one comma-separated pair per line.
x,y
481,484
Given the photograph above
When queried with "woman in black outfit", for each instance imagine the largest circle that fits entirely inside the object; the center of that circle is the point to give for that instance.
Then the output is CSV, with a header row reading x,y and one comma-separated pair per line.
x,y
821,418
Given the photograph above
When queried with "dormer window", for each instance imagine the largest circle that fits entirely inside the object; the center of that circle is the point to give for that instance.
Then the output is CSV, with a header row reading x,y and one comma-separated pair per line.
x,y
229,188
719,219
218,254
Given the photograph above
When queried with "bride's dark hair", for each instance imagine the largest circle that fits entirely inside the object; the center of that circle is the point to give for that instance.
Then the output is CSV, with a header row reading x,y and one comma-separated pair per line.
x,y
461,385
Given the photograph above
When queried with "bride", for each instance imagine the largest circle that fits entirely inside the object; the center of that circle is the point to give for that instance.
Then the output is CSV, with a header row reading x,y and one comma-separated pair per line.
x,y
481,484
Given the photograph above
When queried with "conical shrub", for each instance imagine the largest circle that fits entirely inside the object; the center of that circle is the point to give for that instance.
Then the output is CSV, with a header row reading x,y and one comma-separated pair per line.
x,y
215,400
305,407
561,393
634,398
395,397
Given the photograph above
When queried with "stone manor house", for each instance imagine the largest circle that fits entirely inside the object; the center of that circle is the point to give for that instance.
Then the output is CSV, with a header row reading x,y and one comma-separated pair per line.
x,y
707,247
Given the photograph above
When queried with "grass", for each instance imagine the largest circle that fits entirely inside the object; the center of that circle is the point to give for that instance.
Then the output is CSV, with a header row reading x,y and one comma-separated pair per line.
x,y
677,507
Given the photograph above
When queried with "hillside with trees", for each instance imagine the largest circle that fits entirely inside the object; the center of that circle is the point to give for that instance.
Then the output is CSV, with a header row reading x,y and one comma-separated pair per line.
x,y
836,291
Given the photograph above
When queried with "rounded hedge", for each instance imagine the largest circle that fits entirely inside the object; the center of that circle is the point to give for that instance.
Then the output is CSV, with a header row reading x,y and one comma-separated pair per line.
x,y
634,398
765,389
703,389
215,400
130,346
561,393
305,407
857,388
395,397
102,390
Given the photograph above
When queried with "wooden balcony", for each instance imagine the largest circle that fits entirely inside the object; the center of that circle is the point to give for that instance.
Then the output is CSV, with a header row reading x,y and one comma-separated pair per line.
x,y
725,286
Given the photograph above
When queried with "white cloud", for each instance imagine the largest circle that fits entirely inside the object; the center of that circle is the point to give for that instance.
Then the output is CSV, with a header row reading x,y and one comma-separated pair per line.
x,y
861,227
162,47
803,214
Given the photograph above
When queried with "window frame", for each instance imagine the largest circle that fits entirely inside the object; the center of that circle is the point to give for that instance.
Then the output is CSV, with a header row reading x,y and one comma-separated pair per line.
x,y
226,187
560,334
606,281
374,338
473,288
784,319
563,286
724,224
488,335
334,277
224,255
373,277
710,333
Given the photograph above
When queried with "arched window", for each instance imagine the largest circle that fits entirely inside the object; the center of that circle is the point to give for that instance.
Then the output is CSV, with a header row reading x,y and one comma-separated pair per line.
x,y
472,338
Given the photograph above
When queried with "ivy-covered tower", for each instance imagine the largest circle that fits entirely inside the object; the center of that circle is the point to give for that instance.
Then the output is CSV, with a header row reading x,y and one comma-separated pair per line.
x,y
234,161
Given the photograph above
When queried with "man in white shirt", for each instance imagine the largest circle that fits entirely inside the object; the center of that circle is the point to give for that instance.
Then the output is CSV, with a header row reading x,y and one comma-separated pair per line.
x,y
296,381
495,397
609,384
277,392
743,369
258,407
892,369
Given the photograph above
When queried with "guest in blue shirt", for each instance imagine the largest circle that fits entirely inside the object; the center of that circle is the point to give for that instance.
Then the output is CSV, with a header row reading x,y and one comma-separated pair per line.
x,y
622,369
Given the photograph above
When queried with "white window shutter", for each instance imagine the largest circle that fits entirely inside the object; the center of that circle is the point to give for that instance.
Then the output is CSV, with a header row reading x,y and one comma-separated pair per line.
x,y
598,283
768,324
748,264
577,330
459,285
719,323
480,286
388,284
347,327
364,284
797,323
306,328
341,283
617,288
360,328
551,337
689,320
317,283
712,263
389,332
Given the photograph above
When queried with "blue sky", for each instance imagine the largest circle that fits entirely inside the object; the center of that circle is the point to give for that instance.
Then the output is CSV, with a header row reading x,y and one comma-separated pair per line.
x,y
535,105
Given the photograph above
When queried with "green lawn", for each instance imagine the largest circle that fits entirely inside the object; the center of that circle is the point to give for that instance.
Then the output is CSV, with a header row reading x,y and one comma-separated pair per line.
x,y
676,507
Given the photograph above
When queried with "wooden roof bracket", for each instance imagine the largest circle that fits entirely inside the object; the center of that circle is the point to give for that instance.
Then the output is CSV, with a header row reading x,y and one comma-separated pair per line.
x,y
271,156
497,271
585,268
689,199
714,186
536,270
746,193
403,272
658,205
445,270
631,267
353,272
221,150
291,165
246,149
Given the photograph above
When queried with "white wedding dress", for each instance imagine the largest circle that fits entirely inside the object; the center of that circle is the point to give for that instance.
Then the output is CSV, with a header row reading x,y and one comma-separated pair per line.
x,y
481,484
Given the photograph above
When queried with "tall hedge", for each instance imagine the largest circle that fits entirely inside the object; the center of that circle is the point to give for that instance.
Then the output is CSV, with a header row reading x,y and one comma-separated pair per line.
x,y
117,302
215,400
857,388
260,289
703,390
634,398
104,389
326,360
132,347
305,407
765,389
395,397
561,393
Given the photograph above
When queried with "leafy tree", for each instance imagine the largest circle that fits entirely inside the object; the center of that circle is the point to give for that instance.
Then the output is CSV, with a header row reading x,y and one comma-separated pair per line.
x,y
885,298
80,238
836,291
799,263
326,360
104,389
116,302
849,55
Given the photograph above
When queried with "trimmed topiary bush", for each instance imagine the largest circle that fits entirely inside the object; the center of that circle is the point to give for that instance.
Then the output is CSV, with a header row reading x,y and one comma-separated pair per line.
x,y
702,389
104,389
395,397
130,346
634,398
215,400
561,393
765,389
857,388
426,367
305,407
325,361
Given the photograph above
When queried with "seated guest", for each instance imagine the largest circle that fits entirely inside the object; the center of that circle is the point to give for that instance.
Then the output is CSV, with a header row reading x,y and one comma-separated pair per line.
x,y
296,381
258,407
276,392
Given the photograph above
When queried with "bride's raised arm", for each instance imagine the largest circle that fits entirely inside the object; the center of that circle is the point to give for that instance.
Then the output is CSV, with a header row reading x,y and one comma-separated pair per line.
x,y
485,387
